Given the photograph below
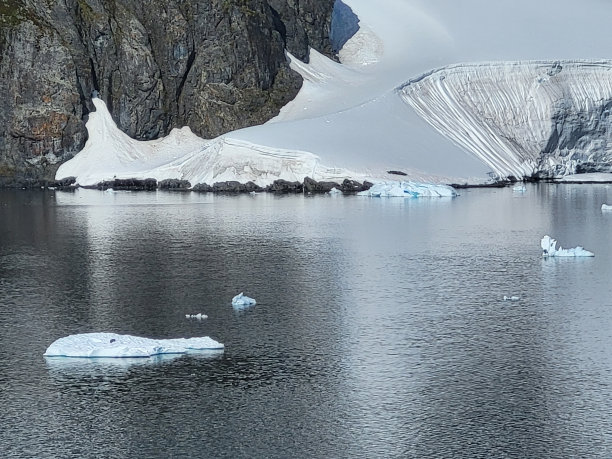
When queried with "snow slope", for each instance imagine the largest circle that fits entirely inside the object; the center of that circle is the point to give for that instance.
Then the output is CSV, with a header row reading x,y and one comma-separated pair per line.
x,y
350,120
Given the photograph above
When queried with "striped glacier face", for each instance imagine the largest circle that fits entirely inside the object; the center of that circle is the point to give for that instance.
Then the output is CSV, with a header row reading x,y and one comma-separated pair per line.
x,y
523,119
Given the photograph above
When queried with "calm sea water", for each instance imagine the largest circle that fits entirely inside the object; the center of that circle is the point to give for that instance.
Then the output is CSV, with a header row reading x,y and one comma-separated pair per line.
x,y
380,328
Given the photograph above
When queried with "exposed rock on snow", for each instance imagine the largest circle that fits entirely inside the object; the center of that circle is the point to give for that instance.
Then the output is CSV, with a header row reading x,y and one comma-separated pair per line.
x,y
549,249
522,118
114,345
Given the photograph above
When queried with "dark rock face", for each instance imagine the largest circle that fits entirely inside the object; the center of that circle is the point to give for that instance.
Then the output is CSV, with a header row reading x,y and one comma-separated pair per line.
x,y
353,186
214,65
174,184
305,23
234,187
312,186
149,184
283,186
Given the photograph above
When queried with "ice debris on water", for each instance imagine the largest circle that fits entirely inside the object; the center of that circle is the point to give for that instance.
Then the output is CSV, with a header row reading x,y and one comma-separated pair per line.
x,y
519,188
198,316
125,346
549,249
511,298
242,300
409,190
606,208
335,190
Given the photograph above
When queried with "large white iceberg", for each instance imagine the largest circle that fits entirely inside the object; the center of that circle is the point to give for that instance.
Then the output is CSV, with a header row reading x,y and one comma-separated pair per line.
x,y
409,190
119,346
242,300
549,248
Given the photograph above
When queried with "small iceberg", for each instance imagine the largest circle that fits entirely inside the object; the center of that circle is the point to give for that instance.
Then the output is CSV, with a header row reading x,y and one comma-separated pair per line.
x,y
606,208
519,188
107,345
197,316
335,190
241,300
511,298
549,249
409,190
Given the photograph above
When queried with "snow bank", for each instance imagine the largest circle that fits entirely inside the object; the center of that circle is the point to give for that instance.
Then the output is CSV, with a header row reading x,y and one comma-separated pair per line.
x,y
549,249
119,346
241,300
409,190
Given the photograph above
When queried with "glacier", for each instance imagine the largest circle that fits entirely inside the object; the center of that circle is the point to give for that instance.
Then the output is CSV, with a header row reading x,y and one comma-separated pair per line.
x,y
113,345
549,249
522,118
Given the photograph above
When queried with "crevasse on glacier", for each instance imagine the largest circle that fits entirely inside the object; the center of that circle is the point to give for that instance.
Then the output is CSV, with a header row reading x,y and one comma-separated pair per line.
x,y
544,118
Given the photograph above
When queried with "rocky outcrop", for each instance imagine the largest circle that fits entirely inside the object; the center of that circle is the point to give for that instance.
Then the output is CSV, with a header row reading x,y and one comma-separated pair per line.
x,y
214,65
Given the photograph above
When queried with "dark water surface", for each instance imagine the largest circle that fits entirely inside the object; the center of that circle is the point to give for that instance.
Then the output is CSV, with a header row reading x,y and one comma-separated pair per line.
x,y
380,329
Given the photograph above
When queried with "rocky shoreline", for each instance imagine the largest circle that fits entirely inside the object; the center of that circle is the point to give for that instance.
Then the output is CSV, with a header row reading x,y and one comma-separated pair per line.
x,y
308,186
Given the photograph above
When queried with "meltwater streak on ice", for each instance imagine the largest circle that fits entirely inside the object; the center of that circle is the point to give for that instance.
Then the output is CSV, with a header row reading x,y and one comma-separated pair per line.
x,y
521,118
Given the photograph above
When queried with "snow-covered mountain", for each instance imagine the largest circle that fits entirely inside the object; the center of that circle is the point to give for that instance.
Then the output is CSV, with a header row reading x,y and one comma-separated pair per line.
x,y
532,95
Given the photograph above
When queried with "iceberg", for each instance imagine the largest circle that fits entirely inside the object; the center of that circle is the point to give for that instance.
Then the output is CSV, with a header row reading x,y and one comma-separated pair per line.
x,y
606,208
409,190
241,300
92,345
549,248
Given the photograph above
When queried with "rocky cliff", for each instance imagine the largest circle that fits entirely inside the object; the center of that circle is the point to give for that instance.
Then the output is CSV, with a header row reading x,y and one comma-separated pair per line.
x,y
214,65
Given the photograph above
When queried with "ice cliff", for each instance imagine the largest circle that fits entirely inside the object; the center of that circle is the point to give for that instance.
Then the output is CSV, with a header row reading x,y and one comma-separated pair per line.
x,y
544,118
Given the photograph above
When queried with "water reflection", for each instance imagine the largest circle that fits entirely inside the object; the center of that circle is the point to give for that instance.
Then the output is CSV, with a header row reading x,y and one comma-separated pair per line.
x,y
380,329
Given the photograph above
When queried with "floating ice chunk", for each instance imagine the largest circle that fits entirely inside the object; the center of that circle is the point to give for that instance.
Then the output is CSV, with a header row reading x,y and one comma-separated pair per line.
x,y
335,190
409,190
519,188
606,208
198,316
511,298
549,248
241,300
120,346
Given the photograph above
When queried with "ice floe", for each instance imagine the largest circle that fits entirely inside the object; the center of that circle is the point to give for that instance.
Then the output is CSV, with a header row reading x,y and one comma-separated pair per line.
x,y
511,298
242,300
549,248
606,208
125,346
409,190
198,316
